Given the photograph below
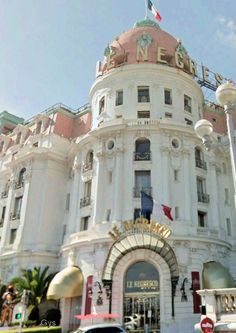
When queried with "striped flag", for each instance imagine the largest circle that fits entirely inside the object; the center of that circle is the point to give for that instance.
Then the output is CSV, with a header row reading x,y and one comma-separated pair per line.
x,y
150,206
154,11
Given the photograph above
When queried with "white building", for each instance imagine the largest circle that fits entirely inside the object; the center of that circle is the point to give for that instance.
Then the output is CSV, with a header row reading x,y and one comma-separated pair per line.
x,y
67,181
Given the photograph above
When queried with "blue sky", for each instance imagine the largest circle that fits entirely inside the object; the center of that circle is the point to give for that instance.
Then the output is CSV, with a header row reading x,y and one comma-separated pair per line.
x,y
49,48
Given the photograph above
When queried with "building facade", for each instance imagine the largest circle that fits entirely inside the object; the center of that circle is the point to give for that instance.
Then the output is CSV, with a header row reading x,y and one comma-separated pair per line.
x,y
71,183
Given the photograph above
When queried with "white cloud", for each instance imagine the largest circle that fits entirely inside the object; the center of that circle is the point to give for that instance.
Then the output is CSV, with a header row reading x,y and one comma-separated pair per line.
x,y
227,31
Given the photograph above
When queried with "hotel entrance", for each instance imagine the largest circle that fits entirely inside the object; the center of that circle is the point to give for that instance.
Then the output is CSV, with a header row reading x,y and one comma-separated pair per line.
x,y
141,298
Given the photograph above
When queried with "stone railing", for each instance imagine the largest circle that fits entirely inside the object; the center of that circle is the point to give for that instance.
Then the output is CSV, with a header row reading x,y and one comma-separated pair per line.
x,y
220,307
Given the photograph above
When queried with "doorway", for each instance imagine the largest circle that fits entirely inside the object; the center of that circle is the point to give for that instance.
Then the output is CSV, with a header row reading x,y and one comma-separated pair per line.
x,y
141,306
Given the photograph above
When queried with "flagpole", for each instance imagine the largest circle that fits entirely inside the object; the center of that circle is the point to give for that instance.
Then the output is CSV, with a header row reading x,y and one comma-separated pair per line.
x,y
146,8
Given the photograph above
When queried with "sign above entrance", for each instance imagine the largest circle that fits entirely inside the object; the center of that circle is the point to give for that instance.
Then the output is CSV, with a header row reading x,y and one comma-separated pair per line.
x,y
140,225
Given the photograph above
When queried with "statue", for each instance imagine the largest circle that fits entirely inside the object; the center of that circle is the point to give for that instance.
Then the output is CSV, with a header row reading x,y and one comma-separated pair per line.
x,y
8,304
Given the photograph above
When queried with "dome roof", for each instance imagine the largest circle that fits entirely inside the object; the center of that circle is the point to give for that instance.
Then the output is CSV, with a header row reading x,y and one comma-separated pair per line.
x,y
142,44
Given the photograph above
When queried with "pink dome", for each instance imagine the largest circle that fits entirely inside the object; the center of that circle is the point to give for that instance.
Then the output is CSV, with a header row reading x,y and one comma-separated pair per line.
x,y
123,50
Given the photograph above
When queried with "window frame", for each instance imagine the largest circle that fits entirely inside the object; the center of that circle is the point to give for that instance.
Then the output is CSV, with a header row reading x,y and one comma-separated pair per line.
x,y
166,102
142,96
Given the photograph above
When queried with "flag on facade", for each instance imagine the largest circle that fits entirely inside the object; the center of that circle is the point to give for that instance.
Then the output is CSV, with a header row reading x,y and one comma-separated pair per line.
x,y
150,206
154,11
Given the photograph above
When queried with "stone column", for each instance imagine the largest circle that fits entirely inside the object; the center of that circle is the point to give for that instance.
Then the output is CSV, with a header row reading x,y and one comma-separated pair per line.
x,y
98,191
118,204
214,218
187,187
165,154
74,199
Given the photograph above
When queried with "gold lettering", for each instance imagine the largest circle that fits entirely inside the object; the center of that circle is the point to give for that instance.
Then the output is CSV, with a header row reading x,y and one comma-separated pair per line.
x,y
219,79
142,53
192,67
179,60
205,74
161,52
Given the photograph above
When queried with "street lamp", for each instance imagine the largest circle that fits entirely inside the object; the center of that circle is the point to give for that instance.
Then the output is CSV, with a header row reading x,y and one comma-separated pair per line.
x,y
226,96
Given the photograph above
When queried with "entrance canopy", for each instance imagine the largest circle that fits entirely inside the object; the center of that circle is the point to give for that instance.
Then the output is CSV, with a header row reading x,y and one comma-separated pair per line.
x,y
66,283
145,240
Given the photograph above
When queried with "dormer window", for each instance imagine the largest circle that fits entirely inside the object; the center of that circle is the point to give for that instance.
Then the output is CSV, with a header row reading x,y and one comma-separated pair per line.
x,y
101,105
143,94
38,127
18,138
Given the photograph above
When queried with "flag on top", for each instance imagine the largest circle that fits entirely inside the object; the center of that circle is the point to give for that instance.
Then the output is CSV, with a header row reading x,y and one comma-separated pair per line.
x,y
149,206
154,11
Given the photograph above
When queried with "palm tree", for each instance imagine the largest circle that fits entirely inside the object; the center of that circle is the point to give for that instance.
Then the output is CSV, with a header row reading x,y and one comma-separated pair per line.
x,y
36,281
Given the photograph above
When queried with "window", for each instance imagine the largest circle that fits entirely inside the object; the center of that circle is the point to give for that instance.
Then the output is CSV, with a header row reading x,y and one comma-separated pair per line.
x,y
21,178
143,94
84,223
142,183
110,176
228,227
168,96
188,121
119,97
176,213
168,115
226,196
12,236
201,190
176,175
86,200
68,201
1,146
101,105
17,207
224,168
38,127
88,165
187,103
199,159
142,150
18,138
202,222
143,114
3,215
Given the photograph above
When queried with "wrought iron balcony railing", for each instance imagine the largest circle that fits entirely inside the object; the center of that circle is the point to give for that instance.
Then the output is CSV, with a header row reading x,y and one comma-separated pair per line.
x,y
86,201
201,164
137,191
203,197
19,184
145,156
14,216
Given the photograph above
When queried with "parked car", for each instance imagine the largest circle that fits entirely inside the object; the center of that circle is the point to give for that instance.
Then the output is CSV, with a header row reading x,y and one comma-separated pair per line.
x,y
130,323
101,328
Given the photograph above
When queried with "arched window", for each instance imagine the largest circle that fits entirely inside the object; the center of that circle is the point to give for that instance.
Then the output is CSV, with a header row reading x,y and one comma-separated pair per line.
x,y
199,159
89,161
101,105
21,178
142,150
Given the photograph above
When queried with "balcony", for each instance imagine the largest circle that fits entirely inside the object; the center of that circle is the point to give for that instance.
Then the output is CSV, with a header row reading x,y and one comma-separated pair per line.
x,y
201,164
14,216
4,194
137,191
203,197
87,166
19,184
220,307
145,156
86,201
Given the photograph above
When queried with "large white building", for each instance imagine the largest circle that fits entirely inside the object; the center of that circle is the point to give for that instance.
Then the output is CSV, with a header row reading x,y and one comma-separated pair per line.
x,y
71,183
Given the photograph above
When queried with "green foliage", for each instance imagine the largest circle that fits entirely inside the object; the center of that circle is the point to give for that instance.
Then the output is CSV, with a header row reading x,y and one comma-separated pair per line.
x,y
36,281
